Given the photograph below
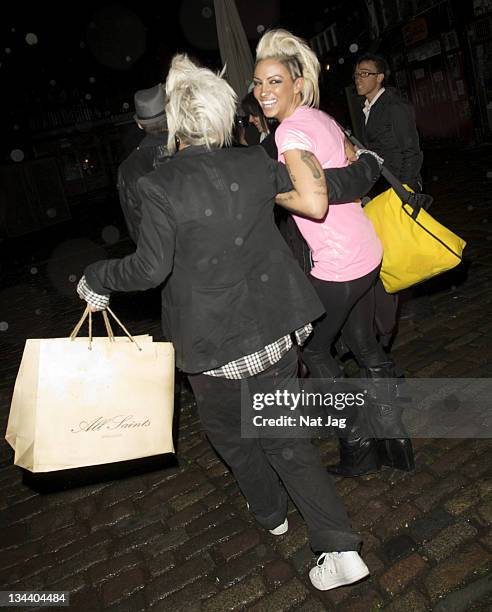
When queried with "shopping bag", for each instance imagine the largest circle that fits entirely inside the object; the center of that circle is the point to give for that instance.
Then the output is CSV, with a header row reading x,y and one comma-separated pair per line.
x,y
90,401
416,247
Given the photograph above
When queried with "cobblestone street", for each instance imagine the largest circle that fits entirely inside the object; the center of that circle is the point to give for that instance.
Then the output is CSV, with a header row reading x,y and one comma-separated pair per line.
x,y
181,538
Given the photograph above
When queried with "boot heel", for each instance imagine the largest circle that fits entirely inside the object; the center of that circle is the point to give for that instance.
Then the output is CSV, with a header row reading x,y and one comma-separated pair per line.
x,y
357,457
397,453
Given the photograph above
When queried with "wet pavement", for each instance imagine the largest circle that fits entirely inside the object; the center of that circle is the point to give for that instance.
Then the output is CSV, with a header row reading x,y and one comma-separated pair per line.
x,y
181,538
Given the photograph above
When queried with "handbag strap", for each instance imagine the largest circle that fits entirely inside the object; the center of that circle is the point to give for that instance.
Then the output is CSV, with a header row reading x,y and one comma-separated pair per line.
x,y
88,313
416,200
402,193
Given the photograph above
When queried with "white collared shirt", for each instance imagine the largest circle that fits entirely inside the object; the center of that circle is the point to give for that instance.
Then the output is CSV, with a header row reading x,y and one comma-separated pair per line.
x,y
366,109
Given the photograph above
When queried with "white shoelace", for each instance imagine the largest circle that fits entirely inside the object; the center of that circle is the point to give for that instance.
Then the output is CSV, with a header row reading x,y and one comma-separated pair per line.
x,y
326,562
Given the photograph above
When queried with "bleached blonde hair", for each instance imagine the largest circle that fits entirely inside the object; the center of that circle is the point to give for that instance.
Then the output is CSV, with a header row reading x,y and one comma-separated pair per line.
x,y
296,55
200,105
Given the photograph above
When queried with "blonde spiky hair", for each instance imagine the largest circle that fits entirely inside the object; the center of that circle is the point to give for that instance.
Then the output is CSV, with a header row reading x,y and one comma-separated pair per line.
x,y
296,55
201,105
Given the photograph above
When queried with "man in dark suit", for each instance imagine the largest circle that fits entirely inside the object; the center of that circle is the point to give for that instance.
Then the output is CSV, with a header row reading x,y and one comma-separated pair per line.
x,y
387,123
150,116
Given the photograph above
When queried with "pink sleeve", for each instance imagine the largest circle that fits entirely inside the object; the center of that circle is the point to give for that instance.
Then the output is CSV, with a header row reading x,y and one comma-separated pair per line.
x,y
292,138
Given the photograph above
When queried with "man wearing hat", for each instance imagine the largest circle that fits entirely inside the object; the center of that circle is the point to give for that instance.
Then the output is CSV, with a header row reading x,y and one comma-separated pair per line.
x,y
150,116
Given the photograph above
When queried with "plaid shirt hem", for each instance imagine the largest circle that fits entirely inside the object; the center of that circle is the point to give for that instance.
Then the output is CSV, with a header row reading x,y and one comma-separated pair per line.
x,y
91,297
253,364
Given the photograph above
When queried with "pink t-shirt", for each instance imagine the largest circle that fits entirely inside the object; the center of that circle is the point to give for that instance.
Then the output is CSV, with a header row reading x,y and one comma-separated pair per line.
x,y
344,244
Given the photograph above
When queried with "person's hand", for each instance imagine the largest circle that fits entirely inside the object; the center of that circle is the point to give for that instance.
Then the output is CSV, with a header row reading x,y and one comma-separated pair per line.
x,y
350,151
242,137
93,308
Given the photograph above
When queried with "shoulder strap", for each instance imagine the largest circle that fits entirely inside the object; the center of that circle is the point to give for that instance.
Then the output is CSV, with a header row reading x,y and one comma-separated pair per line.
x,y
416,200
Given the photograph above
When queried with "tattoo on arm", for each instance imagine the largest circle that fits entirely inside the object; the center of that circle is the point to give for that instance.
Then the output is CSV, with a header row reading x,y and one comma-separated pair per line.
x,y
308,159
284,197
292,177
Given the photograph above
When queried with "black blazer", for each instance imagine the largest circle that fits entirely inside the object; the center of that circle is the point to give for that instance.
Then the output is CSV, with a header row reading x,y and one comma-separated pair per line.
x,y
391,131
270,146
207,227
151,152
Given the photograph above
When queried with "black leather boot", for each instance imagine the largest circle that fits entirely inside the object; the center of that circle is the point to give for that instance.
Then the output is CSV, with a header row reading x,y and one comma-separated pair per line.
x,y
358,453
358,456
394,447
397,453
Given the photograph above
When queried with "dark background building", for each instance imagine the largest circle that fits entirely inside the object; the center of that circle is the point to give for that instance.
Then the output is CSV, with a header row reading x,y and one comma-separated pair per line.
x,y
68,81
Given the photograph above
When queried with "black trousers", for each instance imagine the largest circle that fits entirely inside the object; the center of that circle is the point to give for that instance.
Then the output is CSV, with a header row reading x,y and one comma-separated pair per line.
x,y
267,468
350,308
386,312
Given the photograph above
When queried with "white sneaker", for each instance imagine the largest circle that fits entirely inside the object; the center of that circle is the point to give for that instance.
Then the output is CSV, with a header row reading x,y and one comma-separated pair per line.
x,y
337,569
281,529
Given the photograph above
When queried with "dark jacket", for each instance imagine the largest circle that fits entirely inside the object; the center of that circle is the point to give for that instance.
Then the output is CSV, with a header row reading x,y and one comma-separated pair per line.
x,y
391,132
207,227
270,146
151,152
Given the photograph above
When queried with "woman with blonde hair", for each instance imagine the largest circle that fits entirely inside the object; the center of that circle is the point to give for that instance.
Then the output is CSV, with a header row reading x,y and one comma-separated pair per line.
x,y
346,251
234,302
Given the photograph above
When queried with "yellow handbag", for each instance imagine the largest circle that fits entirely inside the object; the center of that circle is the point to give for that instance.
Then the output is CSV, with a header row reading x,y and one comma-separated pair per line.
x,y
416,246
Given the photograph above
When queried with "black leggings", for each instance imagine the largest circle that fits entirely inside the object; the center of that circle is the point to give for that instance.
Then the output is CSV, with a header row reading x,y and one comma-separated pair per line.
x,y
349,308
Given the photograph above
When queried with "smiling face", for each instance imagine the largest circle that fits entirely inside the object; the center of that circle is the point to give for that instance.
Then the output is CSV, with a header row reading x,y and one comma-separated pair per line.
x,y
277,93
256,122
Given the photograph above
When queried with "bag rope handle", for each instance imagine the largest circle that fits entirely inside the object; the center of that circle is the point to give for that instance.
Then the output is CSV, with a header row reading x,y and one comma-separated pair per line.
x,y
88,312
123,328
76,329
107,324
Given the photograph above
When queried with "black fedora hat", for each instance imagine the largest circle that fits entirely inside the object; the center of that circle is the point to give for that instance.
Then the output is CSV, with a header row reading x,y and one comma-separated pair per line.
x,y
150,105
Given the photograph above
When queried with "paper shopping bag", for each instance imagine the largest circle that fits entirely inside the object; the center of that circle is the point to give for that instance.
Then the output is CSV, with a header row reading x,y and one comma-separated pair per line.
x,y
76,404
